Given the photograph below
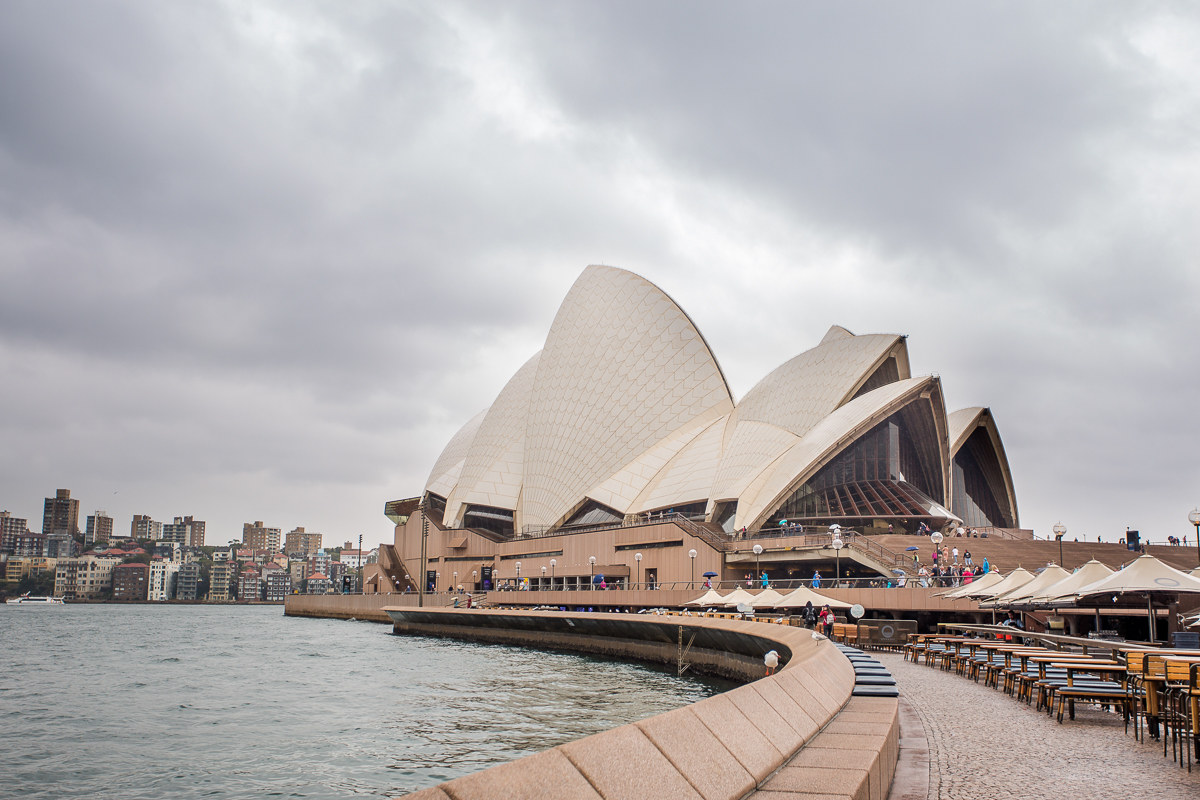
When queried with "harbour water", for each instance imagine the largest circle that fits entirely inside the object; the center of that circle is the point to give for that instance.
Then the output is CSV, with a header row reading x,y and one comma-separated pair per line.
x,y
210,701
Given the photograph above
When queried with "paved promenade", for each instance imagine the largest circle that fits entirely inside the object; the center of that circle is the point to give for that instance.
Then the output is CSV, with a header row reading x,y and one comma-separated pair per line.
x,y
983,744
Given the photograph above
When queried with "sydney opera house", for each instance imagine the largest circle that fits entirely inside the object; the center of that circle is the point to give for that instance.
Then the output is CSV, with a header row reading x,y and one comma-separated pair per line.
x,y
621,437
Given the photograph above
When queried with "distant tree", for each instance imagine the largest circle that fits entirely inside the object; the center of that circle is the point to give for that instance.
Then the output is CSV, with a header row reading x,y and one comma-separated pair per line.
x,y
142,559
39,583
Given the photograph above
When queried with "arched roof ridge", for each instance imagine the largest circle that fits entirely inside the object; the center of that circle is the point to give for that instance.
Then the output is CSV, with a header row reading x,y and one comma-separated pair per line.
x,y
484,480
825,441
444,475
964,422
601,397
805,389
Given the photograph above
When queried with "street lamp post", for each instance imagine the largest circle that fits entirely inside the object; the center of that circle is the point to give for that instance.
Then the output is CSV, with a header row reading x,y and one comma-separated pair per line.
x,y
936,538
1194,518
638,558
553,564
474,580
591,572
518,575
837,551
757,552
437,582
692,556
543,577
362,565
455,580
1060,531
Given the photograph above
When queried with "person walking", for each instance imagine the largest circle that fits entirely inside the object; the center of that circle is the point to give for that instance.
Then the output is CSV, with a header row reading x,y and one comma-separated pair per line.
x,y
816,579
810,615
766,583
967,558
986,566
954,553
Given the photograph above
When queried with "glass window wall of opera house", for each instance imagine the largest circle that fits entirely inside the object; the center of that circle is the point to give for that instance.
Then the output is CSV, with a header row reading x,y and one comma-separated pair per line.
x,y
624,419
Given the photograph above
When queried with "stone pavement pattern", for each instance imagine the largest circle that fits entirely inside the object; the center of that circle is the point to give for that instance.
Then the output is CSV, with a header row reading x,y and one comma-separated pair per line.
x,y
983,744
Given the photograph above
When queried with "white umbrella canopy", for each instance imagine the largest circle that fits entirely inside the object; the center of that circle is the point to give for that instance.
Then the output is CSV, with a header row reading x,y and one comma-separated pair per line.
x,y
1090,572
1015,579
735,597
767,598
710,598
1048,577
1146,575
976,585
799,598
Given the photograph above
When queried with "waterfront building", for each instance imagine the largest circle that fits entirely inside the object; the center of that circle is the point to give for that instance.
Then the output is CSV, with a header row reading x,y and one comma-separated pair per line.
x,y
164,577
621,436
319,562
317,584
99,528
249,585
62,545
142,527
352,558
83,578
29,545
187,581
10,528
301,541
222,580
257,536
299,571
278,582
61,514
336,570
130,582
13,568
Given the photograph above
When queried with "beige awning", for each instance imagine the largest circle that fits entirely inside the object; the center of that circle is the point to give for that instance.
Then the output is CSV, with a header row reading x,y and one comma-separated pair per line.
x,y
979,584
1048,577
1018,577
1090,572
767,598
799,598
1146,575
710,598
737,596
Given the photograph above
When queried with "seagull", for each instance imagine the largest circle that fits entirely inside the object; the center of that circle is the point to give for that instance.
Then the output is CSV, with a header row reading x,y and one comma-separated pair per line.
x,y
772,661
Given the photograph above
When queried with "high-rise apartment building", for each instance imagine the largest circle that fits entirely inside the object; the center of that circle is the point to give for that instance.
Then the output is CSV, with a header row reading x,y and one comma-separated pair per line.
x,y
249,585
99,528
300,541
61,514
257,536
185,530
10,528
222,580
143,527
187,582
130,582
164,576
83,578
279,585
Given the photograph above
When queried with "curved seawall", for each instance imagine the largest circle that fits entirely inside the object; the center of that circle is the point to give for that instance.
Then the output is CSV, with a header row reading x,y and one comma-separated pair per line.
x,y
798,728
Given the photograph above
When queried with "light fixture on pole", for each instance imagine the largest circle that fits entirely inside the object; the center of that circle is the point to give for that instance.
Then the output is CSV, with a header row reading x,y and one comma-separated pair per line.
x,y
638,558
455,579
553,564
543,576
474,580
437,582
1060,531
518,574
591,571
1194,518
757,552
837,551
692,556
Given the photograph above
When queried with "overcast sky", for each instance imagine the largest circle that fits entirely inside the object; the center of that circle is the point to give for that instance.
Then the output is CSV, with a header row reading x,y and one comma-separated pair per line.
x,y
259,261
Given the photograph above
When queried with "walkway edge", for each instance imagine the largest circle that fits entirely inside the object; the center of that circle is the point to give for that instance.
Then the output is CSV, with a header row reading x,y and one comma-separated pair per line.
x,y
912,769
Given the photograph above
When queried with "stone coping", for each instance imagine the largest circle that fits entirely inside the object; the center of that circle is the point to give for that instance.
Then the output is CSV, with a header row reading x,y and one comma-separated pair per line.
x,y
797,733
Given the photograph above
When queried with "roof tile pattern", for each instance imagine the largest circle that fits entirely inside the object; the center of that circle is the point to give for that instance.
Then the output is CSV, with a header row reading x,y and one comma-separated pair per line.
x,y
494,465
689,477
444,475
623,368
754,445
962,424
802,392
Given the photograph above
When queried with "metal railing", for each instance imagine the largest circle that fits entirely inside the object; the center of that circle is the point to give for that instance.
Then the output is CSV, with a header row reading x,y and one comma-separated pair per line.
x,y
783,586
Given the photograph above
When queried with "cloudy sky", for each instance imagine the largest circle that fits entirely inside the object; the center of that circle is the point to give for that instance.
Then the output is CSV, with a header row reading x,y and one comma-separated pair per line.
x,y
261,260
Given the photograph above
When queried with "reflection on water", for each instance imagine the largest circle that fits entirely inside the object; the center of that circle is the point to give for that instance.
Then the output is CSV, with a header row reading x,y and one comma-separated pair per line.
x,y
185,701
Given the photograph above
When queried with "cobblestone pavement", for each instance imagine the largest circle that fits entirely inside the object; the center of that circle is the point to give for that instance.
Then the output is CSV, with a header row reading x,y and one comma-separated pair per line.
x,y
983,744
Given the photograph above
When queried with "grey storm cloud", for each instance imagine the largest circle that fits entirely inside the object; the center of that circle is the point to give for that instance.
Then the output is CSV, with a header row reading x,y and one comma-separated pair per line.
x,y
261,260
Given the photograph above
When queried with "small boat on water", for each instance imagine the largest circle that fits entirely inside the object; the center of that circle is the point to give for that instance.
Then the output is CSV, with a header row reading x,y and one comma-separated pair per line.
x,y
27,600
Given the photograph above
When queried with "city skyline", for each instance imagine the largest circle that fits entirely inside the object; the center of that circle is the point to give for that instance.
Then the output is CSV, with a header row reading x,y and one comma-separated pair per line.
x,y
261,264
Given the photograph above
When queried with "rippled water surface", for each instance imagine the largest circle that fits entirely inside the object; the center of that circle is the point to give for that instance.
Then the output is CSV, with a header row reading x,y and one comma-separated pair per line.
x,y
196,701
